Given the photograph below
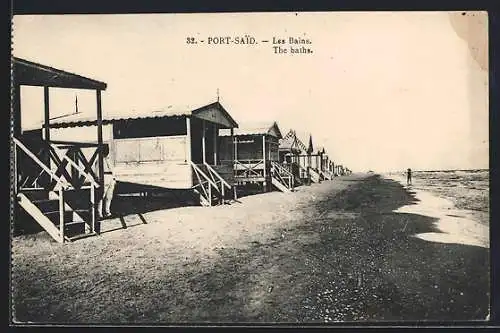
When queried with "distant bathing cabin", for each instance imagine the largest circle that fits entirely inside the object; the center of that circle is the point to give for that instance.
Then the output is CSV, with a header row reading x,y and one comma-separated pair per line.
x,y
325,165
320,164
256,156
331,168
307,161
57,187
340,170
289,152
176,148
294,153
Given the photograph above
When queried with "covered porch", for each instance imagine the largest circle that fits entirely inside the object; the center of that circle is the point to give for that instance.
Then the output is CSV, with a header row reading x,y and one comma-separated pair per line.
x,y
55,183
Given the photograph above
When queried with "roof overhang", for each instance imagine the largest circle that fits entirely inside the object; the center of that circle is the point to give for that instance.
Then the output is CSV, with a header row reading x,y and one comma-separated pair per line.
x,y
214,112
29,73
249,130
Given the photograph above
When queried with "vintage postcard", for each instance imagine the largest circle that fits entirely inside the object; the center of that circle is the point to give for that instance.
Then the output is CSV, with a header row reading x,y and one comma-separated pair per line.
x,y
285,167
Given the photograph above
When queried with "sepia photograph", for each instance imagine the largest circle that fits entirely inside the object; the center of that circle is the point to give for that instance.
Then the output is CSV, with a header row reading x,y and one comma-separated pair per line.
x,y
260,167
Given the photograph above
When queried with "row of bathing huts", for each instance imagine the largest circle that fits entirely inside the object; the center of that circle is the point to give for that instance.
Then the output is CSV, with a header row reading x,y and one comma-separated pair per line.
x,y
60,167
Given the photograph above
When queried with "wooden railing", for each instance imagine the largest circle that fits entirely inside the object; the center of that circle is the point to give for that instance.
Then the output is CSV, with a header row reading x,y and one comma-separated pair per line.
x,y
205,184
217,179
33,158
91,177
56,178
59,158
249,168
284,176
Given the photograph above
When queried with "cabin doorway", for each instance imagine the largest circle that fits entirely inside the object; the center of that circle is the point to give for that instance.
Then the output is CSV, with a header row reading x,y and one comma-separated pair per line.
x,y
199,126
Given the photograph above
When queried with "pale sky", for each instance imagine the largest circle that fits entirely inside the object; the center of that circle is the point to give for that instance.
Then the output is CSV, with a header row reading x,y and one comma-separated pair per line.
x,y
381,91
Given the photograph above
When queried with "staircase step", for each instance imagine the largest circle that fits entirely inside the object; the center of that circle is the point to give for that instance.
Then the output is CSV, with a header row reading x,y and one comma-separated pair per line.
x,y
80,236
47,204
82,210
67,224
35,194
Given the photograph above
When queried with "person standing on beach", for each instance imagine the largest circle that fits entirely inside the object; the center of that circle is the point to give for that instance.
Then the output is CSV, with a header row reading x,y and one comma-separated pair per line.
x,y
109,186
408,176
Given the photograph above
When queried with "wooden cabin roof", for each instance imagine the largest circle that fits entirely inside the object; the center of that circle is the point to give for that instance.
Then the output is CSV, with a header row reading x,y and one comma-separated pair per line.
x,y
33,74
293,141
271,129
289,144
213,112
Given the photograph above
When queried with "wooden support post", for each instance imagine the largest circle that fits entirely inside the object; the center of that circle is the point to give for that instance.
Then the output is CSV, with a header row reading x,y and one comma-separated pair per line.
x,y
46,103
188,148
264,157
269,150
203,141
93,212
215,136
210,194
16,118
100,154
309,169
233,140
235,149
61,214
188,139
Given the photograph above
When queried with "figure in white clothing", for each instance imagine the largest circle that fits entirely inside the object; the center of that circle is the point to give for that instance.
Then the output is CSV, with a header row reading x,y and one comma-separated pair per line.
x,y
109,186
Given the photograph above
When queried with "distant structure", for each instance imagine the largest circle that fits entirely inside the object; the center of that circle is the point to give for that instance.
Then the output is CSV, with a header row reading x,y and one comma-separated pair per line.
x,y
256,157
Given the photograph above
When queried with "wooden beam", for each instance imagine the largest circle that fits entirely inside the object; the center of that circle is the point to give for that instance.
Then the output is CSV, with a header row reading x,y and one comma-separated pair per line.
x,y
100,161
46,103
188,139
215,143
264,157
203,141
61,214
233,143
93,209
235,148
188,148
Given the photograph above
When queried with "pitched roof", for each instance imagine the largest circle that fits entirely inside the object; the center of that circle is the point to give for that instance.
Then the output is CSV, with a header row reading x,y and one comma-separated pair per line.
x,y
80,119
255,129
292,139
30,73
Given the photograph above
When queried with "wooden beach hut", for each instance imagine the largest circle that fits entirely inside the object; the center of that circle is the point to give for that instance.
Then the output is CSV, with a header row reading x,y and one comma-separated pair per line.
x,y
62,203
340,170
331,168
175,148
301,155
325,165
289,151
308,162
320,164
256,156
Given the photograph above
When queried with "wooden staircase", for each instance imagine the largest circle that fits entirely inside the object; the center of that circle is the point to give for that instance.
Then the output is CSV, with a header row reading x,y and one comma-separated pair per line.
x,y
325,174
64,206
315,176
281,178
211,187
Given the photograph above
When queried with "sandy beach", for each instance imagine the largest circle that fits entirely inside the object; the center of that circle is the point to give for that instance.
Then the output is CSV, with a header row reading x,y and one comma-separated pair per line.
x,y
460,226
358,248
